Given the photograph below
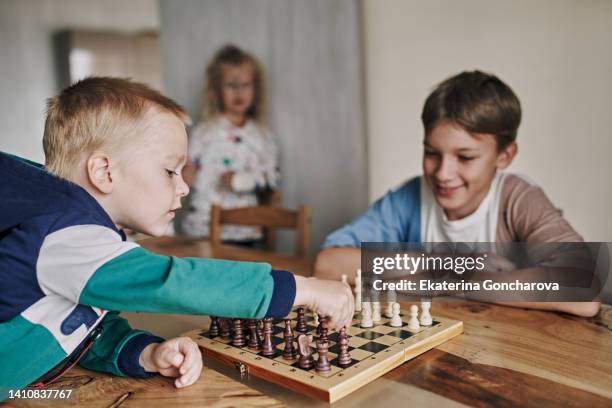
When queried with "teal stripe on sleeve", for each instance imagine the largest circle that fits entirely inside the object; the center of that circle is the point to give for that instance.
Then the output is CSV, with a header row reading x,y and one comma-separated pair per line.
x,y
27,351
142,281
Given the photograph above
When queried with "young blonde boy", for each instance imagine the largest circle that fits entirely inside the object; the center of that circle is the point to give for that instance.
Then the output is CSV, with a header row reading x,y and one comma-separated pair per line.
x,y
471,122
114,154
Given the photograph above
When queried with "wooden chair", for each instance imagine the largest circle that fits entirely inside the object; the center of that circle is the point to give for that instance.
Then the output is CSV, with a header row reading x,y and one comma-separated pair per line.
x,y
270,218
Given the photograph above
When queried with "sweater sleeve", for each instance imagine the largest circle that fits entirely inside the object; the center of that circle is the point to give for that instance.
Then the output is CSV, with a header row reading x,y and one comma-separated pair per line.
x,y
117,350
91,265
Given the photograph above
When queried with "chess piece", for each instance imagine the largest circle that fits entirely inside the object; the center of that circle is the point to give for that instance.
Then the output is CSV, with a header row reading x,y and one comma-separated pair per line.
x,y
260,330
213,331
254,342
301,321
376,312
391,298
315,318
344,279
366,315
323,330
344,358
425,319
413,323
225,328
396,320
238,340
289,353
323,364
358,291
305,361
268,348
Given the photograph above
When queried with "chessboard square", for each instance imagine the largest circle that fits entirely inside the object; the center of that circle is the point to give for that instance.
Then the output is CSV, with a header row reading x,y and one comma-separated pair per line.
x,y
336,348
334,363
204,334
281,346
370,335
333,336
353,331
401,334
355,341
384,329
374,347
311,328
283,360
404,324
277,340
278,329
292,315
387,340
359,354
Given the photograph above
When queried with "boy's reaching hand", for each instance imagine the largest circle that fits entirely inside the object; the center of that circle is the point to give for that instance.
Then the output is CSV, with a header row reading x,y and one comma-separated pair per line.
x,y
328,298
179,357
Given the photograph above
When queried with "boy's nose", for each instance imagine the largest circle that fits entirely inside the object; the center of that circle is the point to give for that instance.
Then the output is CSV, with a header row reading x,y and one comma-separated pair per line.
x,y
182,188
445,170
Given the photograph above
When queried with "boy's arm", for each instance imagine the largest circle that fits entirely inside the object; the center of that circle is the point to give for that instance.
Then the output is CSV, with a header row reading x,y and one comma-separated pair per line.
x,y
531,217
332,263
393,218
91,265
117,350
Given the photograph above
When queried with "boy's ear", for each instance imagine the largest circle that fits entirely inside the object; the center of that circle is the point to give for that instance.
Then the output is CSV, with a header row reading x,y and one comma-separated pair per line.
x,y
99,172
505,157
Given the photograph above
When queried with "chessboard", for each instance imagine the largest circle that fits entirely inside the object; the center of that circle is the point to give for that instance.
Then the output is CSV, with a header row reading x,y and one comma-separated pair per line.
x,y
374,351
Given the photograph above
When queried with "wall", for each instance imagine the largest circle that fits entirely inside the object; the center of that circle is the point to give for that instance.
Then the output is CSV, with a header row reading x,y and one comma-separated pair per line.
x,y
311,52
554,53
27,73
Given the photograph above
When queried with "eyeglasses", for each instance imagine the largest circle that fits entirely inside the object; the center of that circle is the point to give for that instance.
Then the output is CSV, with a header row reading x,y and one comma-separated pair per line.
x,y
238,86
62,368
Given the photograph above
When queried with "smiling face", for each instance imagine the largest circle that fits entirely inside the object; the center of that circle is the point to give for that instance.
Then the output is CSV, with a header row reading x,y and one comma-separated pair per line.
x,y
459,167
238,90
149,185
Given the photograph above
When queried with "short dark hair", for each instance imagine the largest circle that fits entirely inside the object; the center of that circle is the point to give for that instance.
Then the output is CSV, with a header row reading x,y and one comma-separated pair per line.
x,y
476,101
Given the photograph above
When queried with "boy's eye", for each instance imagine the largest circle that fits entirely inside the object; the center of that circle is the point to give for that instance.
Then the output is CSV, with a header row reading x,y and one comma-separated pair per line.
x,y
466,158
171,173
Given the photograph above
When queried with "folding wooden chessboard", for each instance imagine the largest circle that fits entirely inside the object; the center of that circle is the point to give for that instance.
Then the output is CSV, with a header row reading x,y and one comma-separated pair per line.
x,y
374,351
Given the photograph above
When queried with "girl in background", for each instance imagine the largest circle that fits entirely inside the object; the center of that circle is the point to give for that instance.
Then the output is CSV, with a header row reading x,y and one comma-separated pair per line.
x,y
232,152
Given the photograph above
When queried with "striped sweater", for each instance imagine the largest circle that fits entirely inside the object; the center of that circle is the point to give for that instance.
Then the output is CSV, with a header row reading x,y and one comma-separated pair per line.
x,y
66,269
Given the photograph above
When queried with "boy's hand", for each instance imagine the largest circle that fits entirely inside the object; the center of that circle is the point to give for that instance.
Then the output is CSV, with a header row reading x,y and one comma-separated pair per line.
x,y
179,357
328,298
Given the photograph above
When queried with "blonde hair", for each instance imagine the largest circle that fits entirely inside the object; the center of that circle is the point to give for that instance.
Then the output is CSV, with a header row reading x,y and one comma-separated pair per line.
x,y
212,97
96,113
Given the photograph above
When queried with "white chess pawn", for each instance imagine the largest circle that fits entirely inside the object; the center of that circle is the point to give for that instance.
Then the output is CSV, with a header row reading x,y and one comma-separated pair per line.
x,y
315,317
413,323
396,319
425,319
389,309
358,291
376,312
344,279
366,315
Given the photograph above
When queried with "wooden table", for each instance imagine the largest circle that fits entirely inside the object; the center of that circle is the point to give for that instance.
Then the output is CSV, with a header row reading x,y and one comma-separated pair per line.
x,y
507,357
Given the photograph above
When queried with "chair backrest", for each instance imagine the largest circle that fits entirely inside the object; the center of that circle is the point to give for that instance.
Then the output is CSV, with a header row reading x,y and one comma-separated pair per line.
x,y
271,218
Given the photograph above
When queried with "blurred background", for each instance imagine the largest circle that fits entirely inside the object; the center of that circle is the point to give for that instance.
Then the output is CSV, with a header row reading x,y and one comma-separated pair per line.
x,y
346,83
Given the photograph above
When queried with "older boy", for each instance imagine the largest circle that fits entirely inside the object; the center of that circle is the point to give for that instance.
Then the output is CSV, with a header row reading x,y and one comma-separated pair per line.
x,y
114,153
471,121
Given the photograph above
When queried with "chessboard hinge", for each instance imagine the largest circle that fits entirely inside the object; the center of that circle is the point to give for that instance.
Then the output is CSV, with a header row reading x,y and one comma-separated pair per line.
x,y
242,368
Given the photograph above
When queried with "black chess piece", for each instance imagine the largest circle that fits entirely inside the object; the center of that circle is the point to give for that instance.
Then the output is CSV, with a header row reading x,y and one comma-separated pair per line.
x,y
238,340
306,361
225,328
344,358
213,331
289,353
323,335
268,348
301,325
323,364
254,341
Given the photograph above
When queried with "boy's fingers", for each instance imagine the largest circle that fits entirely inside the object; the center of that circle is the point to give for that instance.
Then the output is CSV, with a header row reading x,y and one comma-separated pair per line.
x,y
170,357
191,354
